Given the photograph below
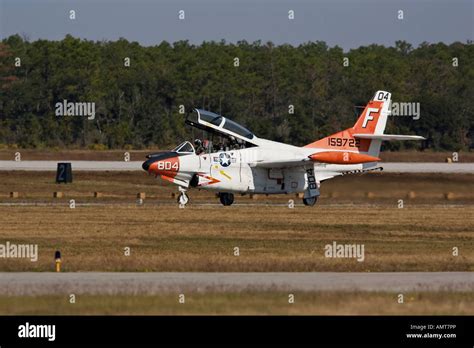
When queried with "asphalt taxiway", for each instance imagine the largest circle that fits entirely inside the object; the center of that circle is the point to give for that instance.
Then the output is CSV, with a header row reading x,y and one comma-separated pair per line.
x,y
392,167
45,283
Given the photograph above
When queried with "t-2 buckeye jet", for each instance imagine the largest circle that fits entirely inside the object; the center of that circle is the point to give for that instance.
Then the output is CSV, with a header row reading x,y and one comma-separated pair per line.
x,y
244,163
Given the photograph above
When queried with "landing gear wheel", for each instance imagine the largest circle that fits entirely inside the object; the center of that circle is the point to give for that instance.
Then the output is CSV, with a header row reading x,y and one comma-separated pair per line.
x,y
310,201
183,198
226,198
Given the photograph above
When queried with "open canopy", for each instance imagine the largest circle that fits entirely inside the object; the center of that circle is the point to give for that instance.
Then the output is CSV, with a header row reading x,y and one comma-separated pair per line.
x,y
185,147
210,121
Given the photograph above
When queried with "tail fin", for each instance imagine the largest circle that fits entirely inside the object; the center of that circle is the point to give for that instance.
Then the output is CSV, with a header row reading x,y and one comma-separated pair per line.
x,y
372,121
374,117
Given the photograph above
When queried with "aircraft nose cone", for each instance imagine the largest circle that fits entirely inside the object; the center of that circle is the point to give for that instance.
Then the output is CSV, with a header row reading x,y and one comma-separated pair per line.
x,y
146,165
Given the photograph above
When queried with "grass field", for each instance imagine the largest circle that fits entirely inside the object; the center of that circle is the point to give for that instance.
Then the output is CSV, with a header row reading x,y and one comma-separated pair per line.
x,y
383,188
269,238
247,303
418,237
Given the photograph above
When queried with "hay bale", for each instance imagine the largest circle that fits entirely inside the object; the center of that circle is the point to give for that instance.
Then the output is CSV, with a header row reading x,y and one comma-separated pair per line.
x,y
411,195
14,194
98,194
449,160
58,194
299,195
370,195
141,195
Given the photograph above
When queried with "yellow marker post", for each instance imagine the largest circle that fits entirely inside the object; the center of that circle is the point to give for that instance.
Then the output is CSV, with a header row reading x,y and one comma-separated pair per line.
x,y
57,256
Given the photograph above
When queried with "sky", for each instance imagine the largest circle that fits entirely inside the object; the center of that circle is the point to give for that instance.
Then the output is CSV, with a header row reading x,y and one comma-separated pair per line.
x,y
348,24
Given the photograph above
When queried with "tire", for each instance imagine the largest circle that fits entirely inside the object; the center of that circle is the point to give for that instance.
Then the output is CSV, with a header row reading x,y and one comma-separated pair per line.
x,y
183,199
226,198
310,201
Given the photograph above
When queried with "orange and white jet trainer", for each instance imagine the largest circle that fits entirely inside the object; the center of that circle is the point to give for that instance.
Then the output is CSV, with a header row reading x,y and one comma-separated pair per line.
x,y
234,160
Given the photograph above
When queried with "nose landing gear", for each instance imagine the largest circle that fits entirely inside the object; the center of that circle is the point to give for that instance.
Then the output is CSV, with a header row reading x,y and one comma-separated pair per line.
x,y
183,198
226,198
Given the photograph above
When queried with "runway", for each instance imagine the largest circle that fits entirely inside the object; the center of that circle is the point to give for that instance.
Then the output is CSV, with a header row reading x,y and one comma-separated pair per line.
x,y
76,165
393,167
44,283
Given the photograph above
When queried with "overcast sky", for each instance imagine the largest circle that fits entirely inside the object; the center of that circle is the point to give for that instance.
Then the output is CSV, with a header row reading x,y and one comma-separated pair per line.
x,y
346,23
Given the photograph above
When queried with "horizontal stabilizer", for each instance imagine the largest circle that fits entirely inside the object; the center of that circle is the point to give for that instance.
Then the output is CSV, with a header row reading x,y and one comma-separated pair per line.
x,y
388,137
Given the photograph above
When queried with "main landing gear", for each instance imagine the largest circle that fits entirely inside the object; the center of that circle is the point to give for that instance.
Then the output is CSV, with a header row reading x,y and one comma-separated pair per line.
x,y
310,201
226,198
183,198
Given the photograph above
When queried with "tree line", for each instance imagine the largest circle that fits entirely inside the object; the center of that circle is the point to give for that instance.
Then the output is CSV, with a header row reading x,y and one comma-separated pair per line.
x,y
293,94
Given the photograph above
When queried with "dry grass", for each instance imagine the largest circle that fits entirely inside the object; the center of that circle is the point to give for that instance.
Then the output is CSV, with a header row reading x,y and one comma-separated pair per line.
x,y
123,186
419,237
247,303
270,238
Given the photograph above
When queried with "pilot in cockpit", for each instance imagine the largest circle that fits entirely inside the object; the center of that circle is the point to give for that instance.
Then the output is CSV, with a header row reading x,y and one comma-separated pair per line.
x,y
239,144
201,146
198,146
205,145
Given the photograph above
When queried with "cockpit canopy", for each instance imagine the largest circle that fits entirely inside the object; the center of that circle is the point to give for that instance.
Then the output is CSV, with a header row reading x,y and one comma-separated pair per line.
x,y
185,147
210,121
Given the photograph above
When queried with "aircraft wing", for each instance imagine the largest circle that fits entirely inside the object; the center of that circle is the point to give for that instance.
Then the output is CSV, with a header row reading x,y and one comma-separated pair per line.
x,y
321,176
282,163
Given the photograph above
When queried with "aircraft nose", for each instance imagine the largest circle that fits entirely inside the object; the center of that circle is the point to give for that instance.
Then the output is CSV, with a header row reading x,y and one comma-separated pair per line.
x,y
146,165
162,164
